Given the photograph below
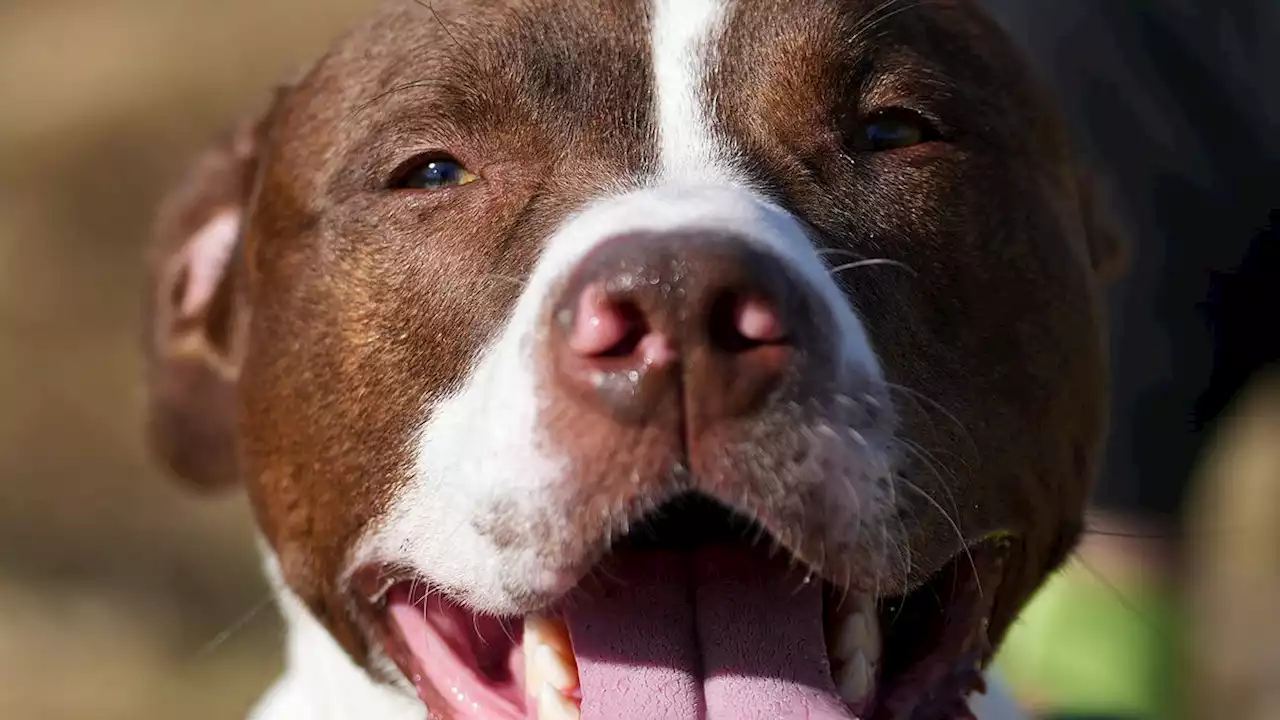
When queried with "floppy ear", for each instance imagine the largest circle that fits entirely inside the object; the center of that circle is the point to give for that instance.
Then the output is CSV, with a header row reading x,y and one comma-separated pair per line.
x,y
1108,249
196,309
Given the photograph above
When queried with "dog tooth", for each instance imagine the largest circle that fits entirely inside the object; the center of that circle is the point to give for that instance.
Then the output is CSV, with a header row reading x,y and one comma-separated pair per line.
x,y
548,656
532,668
858,633
852,638
554,706
548,631
871,617
855,680
556,670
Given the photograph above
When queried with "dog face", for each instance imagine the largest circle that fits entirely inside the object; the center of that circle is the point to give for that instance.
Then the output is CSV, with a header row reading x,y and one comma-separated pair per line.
x,y
510,300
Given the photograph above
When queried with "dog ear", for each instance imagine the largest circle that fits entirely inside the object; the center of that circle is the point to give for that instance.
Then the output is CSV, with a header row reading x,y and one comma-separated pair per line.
x,y
1108,250
196,308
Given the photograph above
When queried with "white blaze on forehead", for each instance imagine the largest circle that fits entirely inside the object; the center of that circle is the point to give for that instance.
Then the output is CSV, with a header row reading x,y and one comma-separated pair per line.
x,y
685,34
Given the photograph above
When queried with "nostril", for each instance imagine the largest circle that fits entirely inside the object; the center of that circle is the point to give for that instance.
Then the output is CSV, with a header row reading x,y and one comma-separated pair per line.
x,y
739,323
758,321
601,327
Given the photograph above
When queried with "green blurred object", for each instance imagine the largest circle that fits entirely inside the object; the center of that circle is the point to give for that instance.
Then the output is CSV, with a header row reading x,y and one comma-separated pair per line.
x,y
1085,649
1070,716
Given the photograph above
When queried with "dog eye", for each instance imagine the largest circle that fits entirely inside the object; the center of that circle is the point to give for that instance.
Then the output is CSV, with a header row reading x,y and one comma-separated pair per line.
x,y
893,129
436,172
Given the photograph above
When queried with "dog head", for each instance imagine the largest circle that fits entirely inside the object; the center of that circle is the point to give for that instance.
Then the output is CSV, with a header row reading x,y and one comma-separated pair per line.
x,y
573,311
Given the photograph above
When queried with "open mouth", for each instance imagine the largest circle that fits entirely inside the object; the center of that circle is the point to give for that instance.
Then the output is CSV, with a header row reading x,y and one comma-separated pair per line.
x,y
695,614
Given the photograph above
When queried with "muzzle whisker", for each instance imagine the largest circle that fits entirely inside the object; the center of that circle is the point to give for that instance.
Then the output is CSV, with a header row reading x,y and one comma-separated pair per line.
x,y
234,628
954,526
1125,602
925,403
873,262
517,281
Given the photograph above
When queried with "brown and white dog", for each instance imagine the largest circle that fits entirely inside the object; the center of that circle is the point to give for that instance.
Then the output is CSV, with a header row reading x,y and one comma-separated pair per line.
x,y
642,358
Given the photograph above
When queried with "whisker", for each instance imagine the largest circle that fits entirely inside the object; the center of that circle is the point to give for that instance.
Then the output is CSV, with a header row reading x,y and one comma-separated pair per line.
x,y
869,19
954,526
936,467
871,262
505,624
1154,537
929,460
234,628
426,624
518,282
904,549
1120,597
475,627
384,95
921,399
432,9
880,15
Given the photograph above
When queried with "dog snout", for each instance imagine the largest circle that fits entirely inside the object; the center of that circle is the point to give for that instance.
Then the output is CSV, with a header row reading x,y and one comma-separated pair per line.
x,y
708,318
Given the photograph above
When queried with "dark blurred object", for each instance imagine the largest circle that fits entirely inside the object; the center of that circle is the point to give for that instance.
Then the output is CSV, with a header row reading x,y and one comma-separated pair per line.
x,y
1173,104
1244,315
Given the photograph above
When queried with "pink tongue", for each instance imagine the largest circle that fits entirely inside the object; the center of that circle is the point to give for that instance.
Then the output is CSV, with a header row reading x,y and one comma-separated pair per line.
x,y
721,633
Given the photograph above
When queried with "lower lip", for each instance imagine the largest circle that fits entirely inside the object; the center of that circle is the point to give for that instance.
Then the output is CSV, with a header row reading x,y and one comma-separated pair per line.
x,y
438,638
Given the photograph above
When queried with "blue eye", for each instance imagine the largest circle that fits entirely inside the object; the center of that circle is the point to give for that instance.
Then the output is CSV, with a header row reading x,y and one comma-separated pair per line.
x,y
893,129
434,173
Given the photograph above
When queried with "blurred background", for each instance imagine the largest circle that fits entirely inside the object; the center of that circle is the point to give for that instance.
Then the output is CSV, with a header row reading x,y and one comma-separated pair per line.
x,y
124,596
116,584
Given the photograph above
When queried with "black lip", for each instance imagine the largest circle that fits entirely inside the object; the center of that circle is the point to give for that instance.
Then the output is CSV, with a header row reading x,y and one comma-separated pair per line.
x,y
935,641
689,521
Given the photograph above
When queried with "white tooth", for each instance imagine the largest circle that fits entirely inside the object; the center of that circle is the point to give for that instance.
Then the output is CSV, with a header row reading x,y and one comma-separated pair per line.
x,y
546,631
855,680
556,670
532,676
852,636
859,634
548,657
554,706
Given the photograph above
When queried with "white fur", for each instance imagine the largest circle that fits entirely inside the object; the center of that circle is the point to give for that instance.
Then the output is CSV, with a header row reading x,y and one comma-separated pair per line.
x,y
683,37
320,680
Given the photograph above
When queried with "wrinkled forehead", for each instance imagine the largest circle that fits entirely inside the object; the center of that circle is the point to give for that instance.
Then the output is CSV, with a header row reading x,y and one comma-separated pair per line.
x,y
595,75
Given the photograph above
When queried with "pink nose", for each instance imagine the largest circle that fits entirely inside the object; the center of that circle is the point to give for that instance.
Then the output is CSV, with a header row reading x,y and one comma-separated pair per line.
x,y
709,317
604,327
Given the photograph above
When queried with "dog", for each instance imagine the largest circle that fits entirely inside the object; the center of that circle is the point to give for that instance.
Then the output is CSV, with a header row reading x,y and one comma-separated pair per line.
x,y
642,358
